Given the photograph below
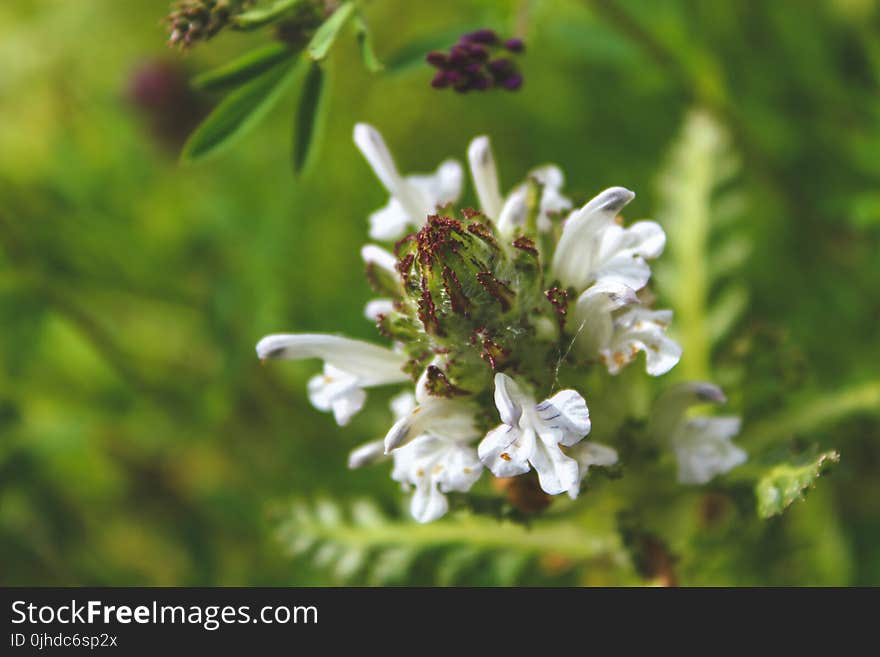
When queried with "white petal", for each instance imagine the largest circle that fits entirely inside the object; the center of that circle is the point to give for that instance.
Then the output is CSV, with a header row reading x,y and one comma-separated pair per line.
x,y
574,256
402,404
704,449
461,469
441,187
592,314
366,454
557,473
373,147
428,503
485,176
646,238
390,222
669,408
565,417
376,255
378,307
506,450
514,212
588,454
338,391
373,365
509,399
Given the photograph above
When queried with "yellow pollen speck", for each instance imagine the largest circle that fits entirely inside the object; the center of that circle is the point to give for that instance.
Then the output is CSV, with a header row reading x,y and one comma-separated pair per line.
x,y
467,470
505,456
420,473
437,469
619,358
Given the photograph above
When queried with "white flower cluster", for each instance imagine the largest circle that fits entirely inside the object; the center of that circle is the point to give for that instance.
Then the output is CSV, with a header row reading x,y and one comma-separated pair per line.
x,y
436,442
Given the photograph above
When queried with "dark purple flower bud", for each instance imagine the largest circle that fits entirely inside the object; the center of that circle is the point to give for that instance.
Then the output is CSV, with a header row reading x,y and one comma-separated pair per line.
x,y
513,83
473,68
454,77
482,83
515,45
459,55
435,58
477,52
501,67
441,80
482,36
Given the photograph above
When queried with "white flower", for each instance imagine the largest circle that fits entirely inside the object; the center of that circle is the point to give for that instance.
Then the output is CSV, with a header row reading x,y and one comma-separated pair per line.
x,y
594,247
588,454
531,434
438,454
704,449
413,198
702,445
511,212
349,367
612,325
374,451
434,465
429,414
376,256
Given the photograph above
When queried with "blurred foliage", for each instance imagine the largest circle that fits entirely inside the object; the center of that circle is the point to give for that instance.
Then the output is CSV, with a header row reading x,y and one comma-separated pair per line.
x,y
142,443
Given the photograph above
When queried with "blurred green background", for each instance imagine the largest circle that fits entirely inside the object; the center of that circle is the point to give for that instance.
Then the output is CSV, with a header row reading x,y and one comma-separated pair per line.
x,y
142,443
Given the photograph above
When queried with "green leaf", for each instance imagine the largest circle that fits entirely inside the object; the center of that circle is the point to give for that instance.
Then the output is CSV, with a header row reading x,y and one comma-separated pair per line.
x,y
239,112
787,482
365,41
260,16
243,69
307,116
326,35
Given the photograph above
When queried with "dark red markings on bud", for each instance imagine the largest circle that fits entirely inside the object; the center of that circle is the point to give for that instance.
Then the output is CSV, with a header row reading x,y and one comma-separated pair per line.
x,y
523,243
490,351
437,236
428,311
457,299
558,298
482,231
471,213
439,385
404,265
500,291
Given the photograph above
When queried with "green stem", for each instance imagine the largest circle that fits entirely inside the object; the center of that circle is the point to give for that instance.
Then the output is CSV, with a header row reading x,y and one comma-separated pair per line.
x,y
814,414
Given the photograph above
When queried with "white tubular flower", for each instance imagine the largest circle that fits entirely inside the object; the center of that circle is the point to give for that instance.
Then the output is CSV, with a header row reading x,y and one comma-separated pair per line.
x,y
374,451
702,445
378,307
511,212
704,449
349,367
588,454
594,247
435,415
376,255
413,198
611,325
441,458
434,465
531,434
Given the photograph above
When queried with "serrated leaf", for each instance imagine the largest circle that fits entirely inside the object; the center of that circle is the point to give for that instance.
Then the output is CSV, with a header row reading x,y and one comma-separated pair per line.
x,y
729,256
350,563
365,42
785,483
392,565
307,116
238,113
366,514
260,16
328,513
326,35
245,68
454,564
